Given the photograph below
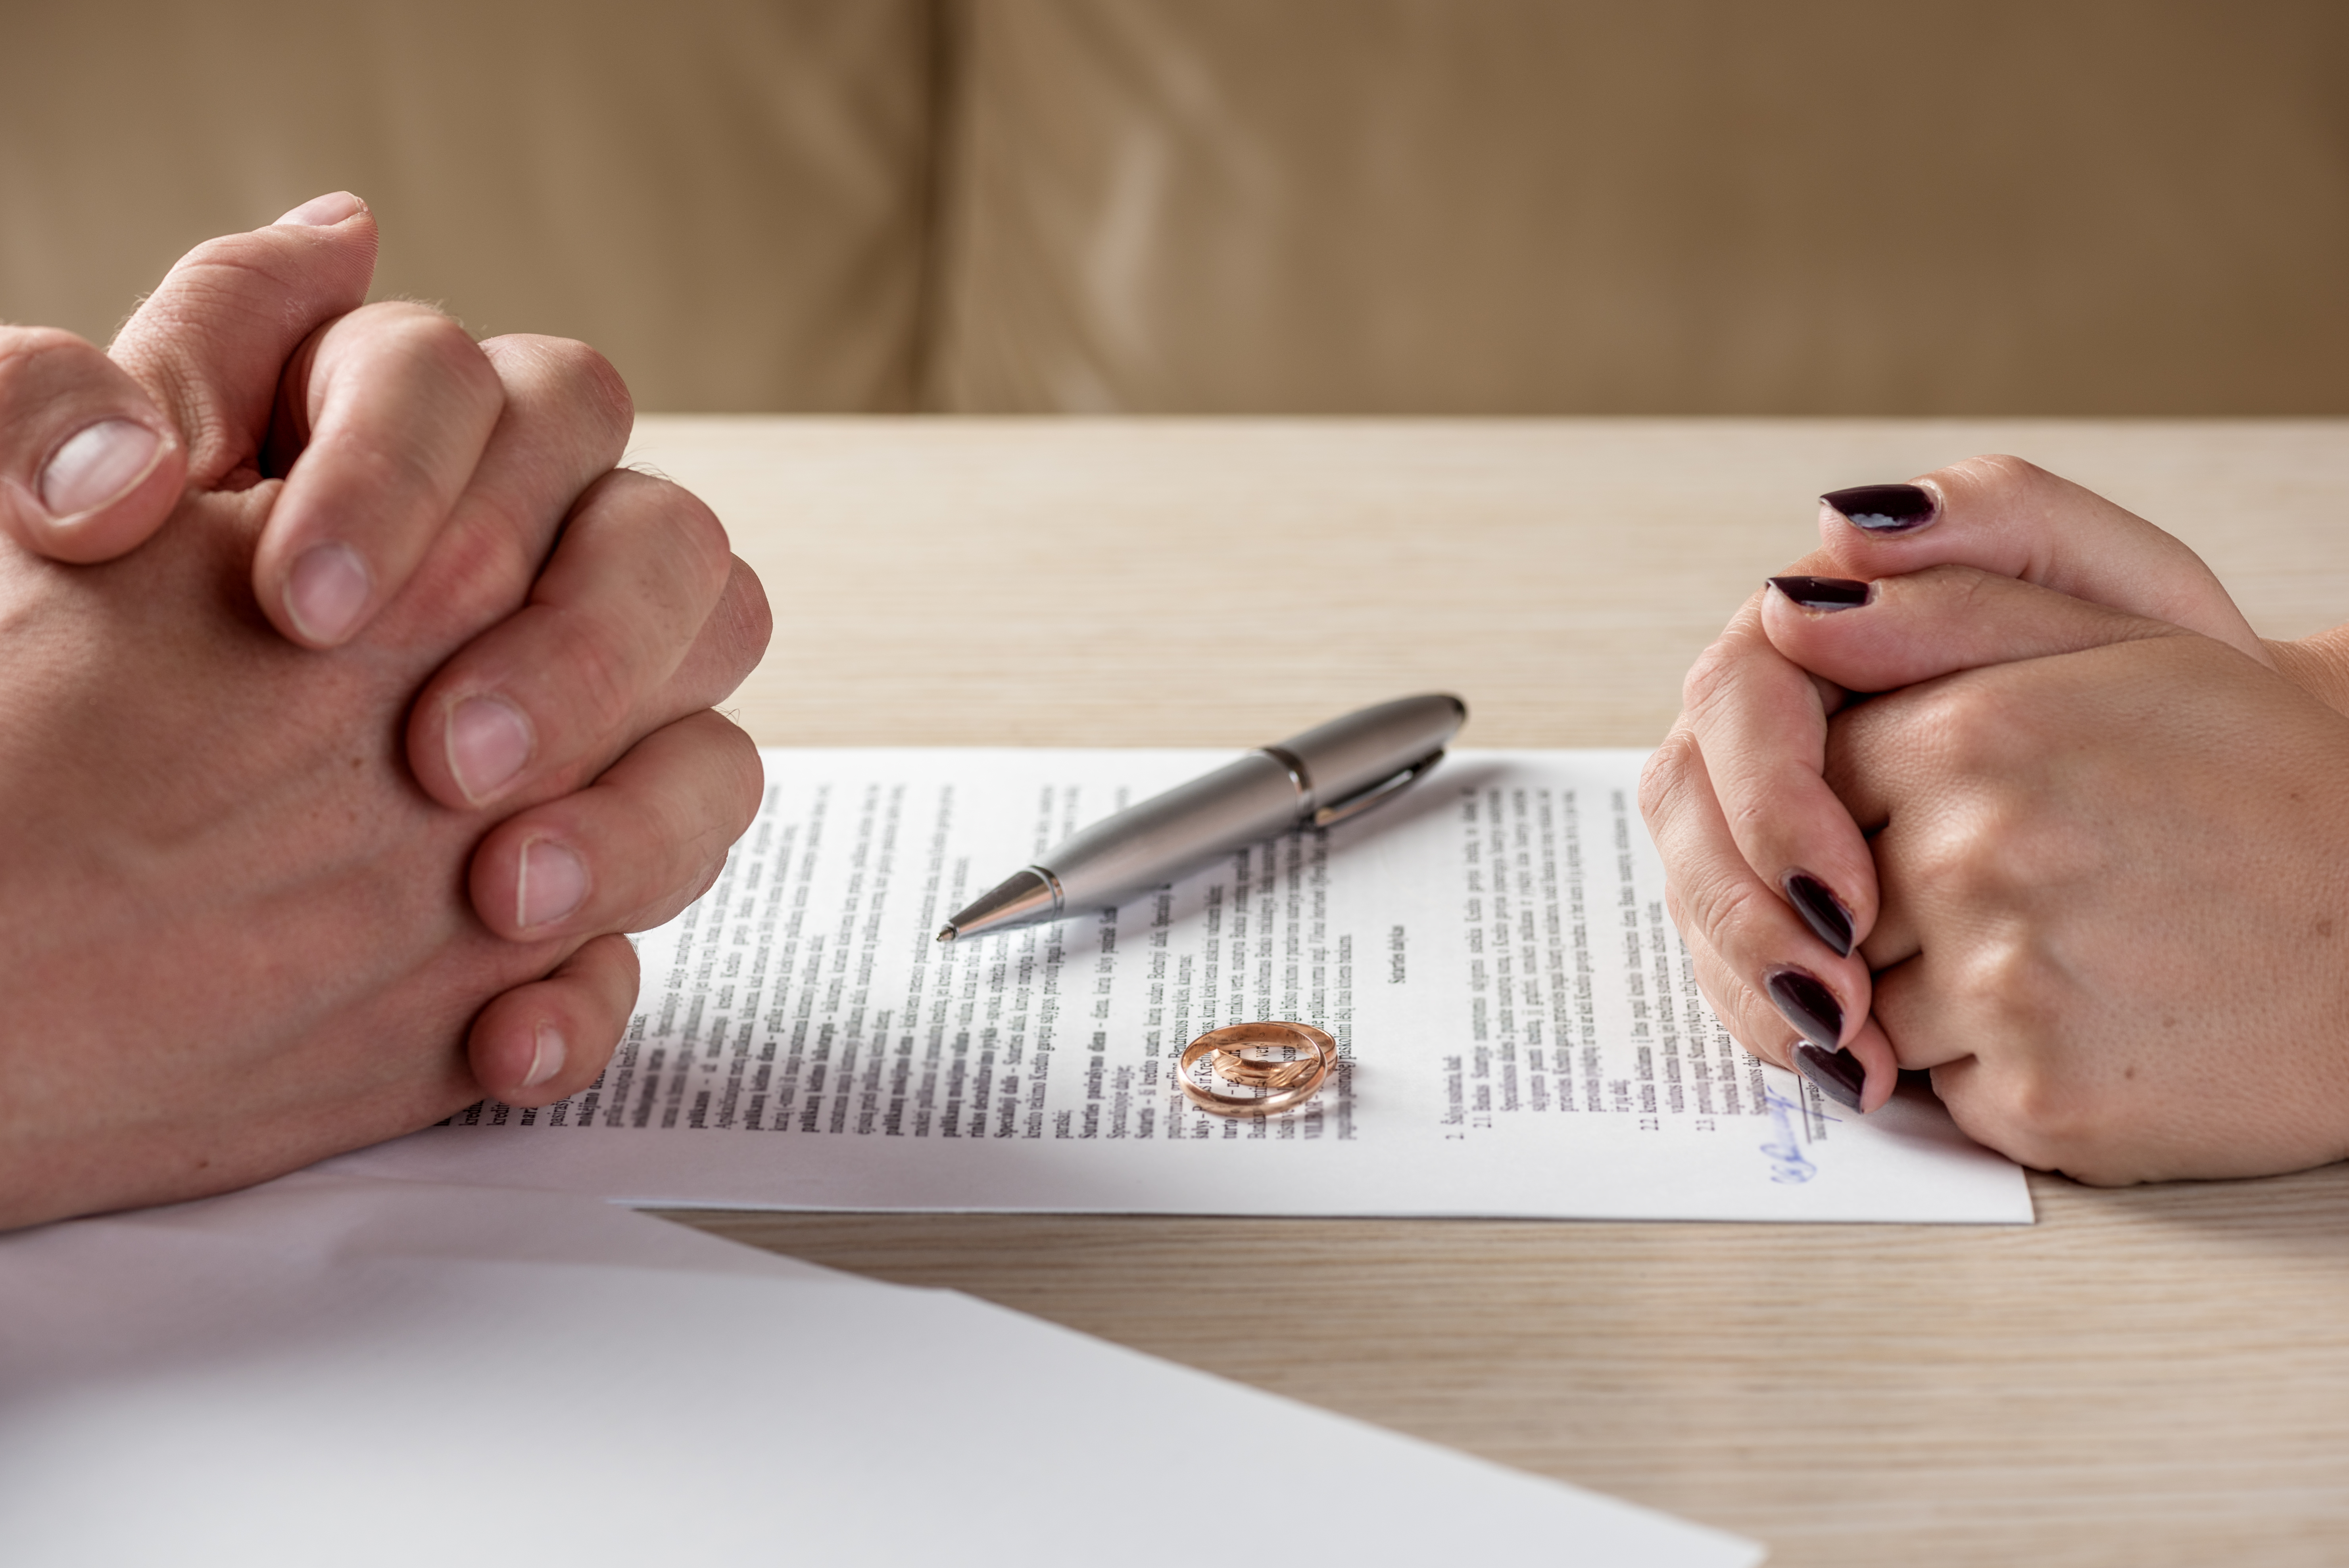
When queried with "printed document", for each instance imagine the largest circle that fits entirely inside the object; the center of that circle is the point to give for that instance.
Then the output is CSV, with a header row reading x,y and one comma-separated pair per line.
x,y
1518,1029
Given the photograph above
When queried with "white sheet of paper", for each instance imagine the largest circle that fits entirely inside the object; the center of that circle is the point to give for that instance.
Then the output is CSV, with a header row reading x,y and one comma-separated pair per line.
x,y
340,1373
1521,1032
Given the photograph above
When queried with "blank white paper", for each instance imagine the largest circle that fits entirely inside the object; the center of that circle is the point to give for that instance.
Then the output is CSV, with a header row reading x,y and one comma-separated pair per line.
x,y
1520,1031
339,1372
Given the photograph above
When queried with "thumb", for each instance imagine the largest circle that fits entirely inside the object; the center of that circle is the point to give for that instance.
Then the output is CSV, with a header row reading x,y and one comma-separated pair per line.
x,y
2004,515
89,465
212,343
1881,636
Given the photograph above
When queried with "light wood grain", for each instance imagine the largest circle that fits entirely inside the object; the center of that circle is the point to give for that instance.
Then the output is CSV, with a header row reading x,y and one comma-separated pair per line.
x,y
2152,1376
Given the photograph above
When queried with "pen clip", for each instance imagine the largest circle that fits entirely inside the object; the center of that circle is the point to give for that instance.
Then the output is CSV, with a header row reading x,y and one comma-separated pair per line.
x,y
1361,801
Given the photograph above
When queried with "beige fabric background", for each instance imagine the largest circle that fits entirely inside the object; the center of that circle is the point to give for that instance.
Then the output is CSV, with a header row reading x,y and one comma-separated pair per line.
x,y
1673,206
1536,206
725,196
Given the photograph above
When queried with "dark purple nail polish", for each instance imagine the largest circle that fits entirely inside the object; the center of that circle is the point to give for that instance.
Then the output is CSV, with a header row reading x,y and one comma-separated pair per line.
x,y
1808,1006
1825,592
1821,911
1885,508
1835,1074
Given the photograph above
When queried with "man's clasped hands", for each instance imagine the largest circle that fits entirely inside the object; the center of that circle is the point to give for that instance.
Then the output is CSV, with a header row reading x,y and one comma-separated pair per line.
x,y
357,704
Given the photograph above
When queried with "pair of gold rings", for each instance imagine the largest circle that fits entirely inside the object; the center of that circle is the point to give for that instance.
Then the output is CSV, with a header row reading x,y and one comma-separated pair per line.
x,y
1282,1083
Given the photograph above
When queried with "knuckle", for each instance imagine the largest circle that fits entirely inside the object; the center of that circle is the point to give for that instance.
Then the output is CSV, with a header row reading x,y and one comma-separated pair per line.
x,y
1753,797
601,679
2043,1120
708,877
2016,986
724,761
1722,901
434,342
692,793
748,619
2021,857
480,575
1985,859
1941,863
1774,1046
246,254
624,973
1666,774
269,280
690,543
690,872
576,374
696,529
746,775
1736,1008
1992,477
2022,1003
1711,678
603,974
1972,732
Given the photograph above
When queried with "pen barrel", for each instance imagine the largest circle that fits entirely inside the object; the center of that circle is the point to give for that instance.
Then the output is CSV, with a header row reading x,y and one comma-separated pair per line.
x,y
1170,835
1345,756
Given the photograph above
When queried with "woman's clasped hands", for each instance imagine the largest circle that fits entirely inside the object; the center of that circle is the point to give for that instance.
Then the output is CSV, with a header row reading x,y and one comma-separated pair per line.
x,y
2082,852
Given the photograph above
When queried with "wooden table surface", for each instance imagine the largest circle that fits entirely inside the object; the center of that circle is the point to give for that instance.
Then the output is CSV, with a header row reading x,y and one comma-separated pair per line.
x,y
2148,1377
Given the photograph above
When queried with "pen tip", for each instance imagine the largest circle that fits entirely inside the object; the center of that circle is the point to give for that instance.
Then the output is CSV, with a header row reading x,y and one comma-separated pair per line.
x,y
945,933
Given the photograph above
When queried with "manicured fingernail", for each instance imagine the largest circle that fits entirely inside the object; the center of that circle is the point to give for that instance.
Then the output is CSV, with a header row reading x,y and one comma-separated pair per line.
x,y
1821,911
489,741
550,884
1808,1006
1835,1074
546,1060
1825,592
326,591
97,464
324,212
1885,508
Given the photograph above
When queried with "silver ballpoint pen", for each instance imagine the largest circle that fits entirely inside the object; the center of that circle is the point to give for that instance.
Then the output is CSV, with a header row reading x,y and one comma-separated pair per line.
x,y
1326,775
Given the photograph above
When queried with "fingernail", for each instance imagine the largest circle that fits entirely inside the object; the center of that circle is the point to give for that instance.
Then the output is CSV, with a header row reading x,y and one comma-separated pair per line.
x,y
1821,911
550,885
1835,1074
1808,1006
324,212
489,741
1825,592
1885,508
546,1060
97,464
326,591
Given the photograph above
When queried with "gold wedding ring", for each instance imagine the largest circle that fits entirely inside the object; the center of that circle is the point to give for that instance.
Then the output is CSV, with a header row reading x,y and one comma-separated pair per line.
x,y
1234,1067
1285,1083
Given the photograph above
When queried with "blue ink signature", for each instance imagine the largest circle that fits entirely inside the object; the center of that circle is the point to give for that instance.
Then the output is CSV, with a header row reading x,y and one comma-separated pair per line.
x,y
1788,1164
